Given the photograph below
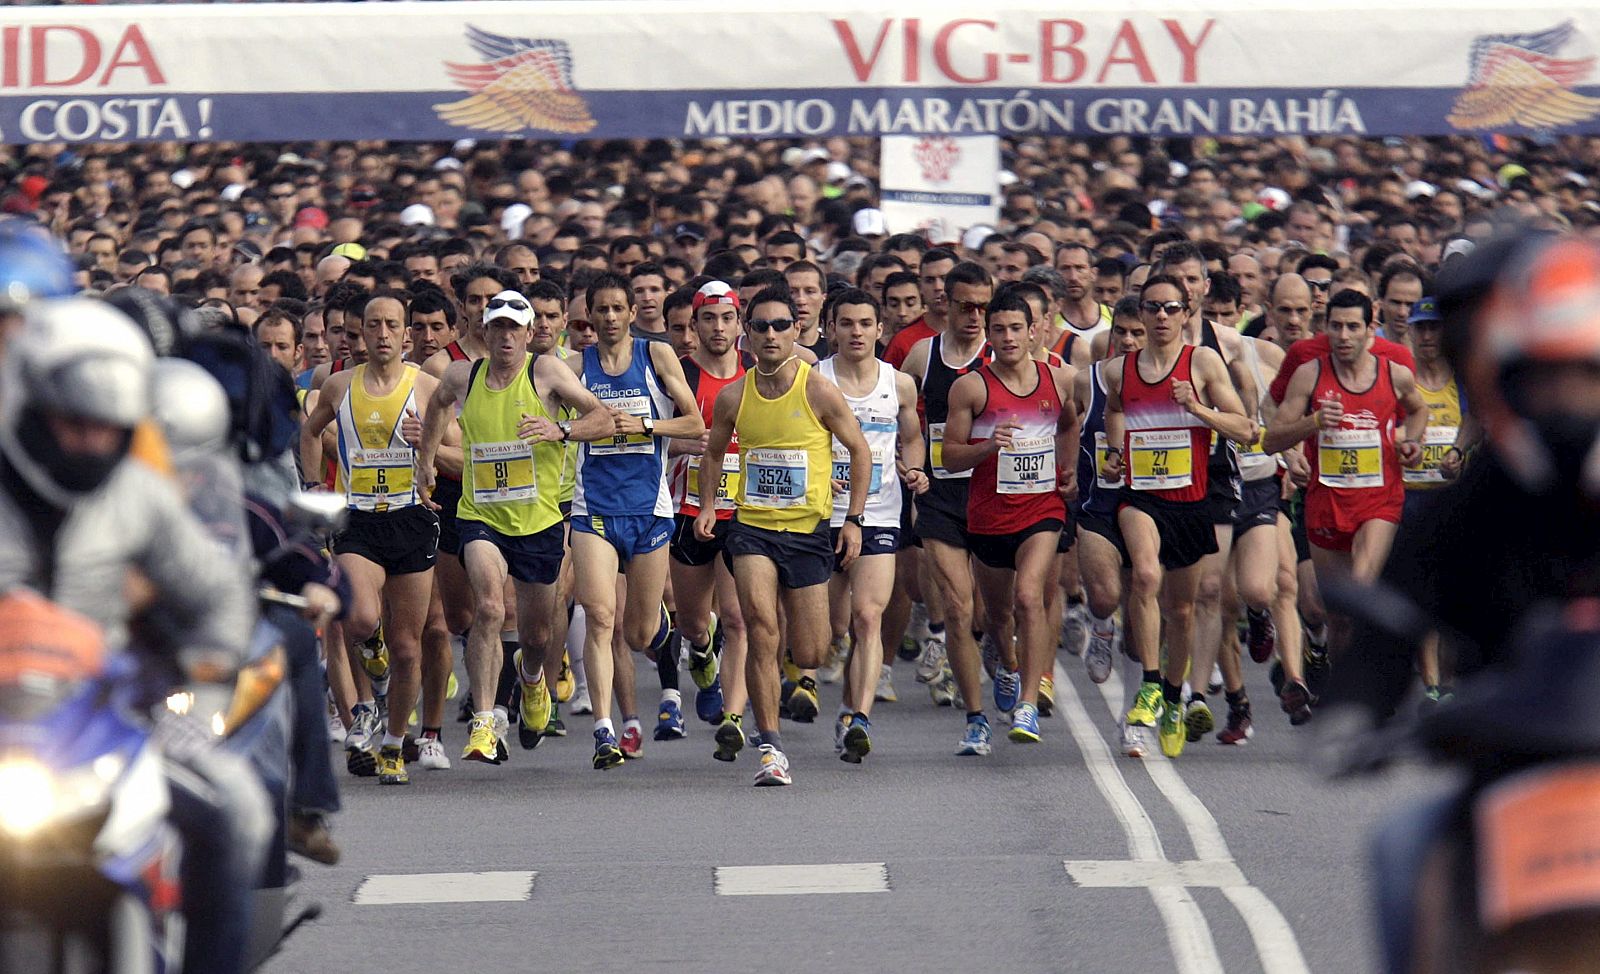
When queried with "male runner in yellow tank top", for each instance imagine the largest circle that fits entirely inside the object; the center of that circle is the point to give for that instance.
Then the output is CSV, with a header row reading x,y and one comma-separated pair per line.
x,y
390,543
787,417
509,517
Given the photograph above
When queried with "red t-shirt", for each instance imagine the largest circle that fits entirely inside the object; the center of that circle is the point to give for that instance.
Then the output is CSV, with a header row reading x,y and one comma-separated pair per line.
x,y
1307,349
905,339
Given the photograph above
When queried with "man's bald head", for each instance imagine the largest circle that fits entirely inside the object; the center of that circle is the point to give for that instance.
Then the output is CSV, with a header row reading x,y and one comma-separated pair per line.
x,y
1289,308
331,268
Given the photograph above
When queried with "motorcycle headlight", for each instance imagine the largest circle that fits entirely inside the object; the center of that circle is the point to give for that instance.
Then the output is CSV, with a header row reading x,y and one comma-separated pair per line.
x,y
32,796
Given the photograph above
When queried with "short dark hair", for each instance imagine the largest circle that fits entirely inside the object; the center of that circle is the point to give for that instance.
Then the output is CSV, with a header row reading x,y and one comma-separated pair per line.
x,y
431,301
856,295
906,241
647,269
805,267
1314,261
762,277
935,254
966,272
784,238
542,290
1025,290
1398,271
683,297
774,294
1181,252
1010,299
1029,252
1351,298
289,284
1159,278
608,281
1225,288
619,244
900,278
274,316
460,279
1127,306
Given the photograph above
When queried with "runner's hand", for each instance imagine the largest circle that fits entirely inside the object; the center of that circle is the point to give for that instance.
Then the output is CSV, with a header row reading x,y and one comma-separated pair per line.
x,y
1112,468
1067,483
627,423
1183,394
538,428
1006,433
849,546
705,523
424,483
1410,452
1299,468
1330,414
321,603
411,428
916,480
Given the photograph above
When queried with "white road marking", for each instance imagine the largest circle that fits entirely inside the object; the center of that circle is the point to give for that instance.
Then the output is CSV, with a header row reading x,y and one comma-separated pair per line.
x,y
1274,938
445,888
1124,874
834,877
1193,950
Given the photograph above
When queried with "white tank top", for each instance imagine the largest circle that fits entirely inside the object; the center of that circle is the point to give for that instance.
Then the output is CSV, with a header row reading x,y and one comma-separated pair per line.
x,y
878,412
1254,464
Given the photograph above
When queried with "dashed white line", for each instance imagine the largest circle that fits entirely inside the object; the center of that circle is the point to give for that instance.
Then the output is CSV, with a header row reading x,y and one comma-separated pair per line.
x,y
488,887
814,878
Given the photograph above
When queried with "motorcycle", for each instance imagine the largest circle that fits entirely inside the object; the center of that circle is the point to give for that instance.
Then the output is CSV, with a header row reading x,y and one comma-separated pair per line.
x,y
1501,873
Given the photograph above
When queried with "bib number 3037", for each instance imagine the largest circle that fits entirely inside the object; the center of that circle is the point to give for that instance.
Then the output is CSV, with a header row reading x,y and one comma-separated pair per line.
x,y
1027,467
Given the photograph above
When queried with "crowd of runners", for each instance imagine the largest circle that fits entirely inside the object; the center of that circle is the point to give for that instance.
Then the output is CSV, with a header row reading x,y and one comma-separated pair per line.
x,y
698,407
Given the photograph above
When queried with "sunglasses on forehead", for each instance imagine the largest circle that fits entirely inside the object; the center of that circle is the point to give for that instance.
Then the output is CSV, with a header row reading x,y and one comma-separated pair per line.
x,y
763,325
515,303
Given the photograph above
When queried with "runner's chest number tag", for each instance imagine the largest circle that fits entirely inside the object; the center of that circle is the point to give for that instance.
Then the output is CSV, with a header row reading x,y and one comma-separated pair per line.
x,y
727,490
1352,459
1436,442
502,473
631,443
775,478
936,455
1028,467
1100,463
380,479
1160,459
841,466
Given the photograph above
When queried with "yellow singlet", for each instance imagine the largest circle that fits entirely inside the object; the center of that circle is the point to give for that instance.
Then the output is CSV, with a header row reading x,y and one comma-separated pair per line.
x,y
787,458
376,465
507,483
1444,420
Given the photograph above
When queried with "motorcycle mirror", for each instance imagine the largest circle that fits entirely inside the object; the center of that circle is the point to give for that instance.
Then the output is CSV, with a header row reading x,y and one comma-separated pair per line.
x,y
315,512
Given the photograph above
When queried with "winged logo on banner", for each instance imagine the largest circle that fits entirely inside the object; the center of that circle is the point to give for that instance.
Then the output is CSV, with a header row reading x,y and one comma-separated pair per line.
x,y
1518,79
521,84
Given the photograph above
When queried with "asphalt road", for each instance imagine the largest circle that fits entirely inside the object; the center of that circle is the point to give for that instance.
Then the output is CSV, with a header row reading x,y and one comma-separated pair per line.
x,y
1061,856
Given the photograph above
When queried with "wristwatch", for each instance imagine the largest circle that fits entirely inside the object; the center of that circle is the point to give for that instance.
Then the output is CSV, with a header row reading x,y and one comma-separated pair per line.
x,y
565,426
649,426
858,520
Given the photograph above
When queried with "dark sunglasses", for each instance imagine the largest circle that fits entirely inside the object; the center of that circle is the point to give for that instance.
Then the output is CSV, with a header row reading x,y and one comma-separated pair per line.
x,y
1320,285
763,325
515,303
1172,308
970,307
284,196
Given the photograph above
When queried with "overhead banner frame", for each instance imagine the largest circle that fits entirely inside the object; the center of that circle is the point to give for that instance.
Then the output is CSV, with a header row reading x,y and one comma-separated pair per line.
x,y
571,69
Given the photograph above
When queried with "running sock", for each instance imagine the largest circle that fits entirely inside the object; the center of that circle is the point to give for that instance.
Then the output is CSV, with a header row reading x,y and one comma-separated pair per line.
x,y
673,695
633,722
604,724
437,733
389,740
1197,697
508,673
699,652
936,628
774,738
667,662
860,717
1153,676
527,677
1238,698
1171,693
973,715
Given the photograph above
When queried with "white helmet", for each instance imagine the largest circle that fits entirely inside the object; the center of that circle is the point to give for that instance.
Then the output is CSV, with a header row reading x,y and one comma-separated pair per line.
x,y
190,408
73,357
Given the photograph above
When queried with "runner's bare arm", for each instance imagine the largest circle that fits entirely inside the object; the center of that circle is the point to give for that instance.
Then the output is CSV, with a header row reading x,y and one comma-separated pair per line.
x,y
1100,346
437,364
916,361
834,413
688,424
966,402
1416,423
1294,421
724,414
441,409
1066,379
311,430
561,386
1225,413
1115,422
912,450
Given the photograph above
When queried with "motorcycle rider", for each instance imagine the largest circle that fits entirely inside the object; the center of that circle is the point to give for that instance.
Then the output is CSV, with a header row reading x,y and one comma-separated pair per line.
x,y
77,522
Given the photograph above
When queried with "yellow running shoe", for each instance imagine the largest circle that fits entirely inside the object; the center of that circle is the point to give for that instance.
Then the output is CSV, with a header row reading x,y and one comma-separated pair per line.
x,y
482,745
1147,707
535,709
451,687
392,767
1173,730
375,656
1047,696
791,672
565,684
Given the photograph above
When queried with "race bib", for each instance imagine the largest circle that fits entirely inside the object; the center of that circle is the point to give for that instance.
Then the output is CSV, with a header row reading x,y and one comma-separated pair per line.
x,y
1352,459
727,489
380,479
1436,442
841,466
1028,466
631,443
1100,462
936,455
775,478
503,473
1160,459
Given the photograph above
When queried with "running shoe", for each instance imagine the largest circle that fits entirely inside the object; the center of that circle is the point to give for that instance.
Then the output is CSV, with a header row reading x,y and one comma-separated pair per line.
x,y
557,727
1134,743
1214,685
885,691
336,730
840,725
1198,719
606,752
708,702
669,722
1262,637
990,647
1007,687
502,734
774,769
1173,733
1276,675
703,668
917,629
375,661
1148,706
729,737
1097,659
580,702
430,754
1047,695
943,689
1025,724
832,671
533,711
857,742
975,742
1318,668
482,744
791,672
909,650
632,742
1239,729
1075,628
392,767
361,761
931,663
363,727
1295,700
803,702
565,683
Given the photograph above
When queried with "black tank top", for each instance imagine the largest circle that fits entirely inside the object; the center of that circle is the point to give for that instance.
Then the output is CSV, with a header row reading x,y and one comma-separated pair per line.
x,y
947,495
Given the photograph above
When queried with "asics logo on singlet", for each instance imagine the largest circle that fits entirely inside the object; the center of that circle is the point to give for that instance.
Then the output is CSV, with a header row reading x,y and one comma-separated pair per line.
x,y
1363,420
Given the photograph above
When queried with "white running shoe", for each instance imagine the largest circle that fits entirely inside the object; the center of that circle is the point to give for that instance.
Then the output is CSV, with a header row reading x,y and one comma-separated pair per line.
x,y
363,727
943,689
336,731
430,754
1134,744
885,691
917,625
931,662
1098,659
581,704
774,768
833,670
1075,626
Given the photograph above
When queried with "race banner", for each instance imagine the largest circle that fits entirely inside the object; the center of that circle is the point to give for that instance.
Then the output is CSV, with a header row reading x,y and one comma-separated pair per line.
x,y
939,184
691,69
